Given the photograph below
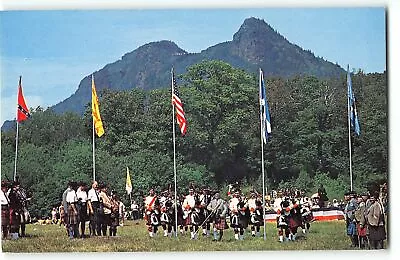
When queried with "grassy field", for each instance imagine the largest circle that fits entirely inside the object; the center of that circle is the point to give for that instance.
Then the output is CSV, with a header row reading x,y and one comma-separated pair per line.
x,y
134,238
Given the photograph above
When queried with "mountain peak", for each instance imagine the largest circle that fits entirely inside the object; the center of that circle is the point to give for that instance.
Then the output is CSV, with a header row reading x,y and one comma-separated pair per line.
x,y
164,47
256,44
252,27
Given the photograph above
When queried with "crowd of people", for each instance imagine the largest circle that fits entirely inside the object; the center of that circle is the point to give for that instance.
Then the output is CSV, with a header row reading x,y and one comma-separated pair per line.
x,y
14,212
365,220
98,205
199,209
205,209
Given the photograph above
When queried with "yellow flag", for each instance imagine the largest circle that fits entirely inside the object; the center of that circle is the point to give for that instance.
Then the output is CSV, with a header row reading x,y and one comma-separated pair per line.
x,y
128,186
98,124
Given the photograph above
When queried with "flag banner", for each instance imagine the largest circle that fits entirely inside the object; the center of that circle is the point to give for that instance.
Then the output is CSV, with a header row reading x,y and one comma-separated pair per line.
x,y
22,109
353,116
176,101
264,110
98,124
128,185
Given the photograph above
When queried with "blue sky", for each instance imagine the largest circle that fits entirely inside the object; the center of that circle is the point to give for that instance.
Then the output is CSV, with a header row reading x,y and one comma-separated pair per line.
x,y
54,50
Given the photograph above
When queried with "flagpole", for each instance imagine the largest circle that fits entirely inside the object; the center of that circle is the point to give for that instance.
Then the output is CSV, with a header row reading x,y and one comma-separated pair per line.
x,y
16,153
93,150
262,156
173,138
349,132
17,134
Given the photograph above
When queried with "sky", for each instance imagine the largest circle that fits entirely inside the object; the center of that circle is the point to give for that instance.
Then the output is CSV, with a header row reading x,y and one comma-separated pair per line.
x,y
53,50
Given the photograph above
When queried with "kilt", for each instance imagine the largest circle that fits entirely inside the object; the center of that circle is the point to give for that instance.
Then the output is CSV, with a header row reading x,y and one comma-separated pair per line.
x,y
377,232
220,223
294,222
15,218
362,231
114,220
188,220
72,216
5,215
82,211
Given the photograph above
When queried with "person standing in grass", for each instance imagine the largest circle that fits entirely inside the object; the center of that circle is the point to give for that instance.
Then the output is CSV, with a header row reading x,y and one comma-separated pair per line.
x,y
349,212
256,211
54,216
218,207
360,215
82,207
187,207
205,199
376,222
114,216
5,210
106,202
72,211
15,211
151,204
93,205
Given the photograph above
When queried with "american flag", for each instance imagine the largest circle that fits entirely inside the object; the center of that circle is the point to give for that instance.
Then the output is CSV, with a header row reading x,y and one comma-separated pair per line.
x,y
177,102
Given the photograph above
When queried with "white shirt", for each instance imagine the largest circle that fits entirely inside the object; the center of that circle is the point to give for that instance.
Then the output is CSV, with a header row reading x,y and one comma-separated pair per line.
x,y
92,195
252,203
189,201
135,207
233,204
71,197
277,204
148,200
80,194
163,199
4,198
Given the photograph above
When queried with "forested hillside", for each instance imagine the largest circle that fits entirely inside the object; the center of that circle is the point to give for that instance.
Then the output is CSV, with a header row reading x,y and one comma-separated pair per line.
x,y
309,143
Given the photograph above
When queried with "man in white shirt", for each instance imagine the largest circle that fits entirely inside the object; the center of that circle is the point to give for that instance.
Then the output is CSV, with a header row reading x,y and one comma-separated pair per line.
x,y
151,204
71,201
187,206
93,204
5,211
234,214
82,207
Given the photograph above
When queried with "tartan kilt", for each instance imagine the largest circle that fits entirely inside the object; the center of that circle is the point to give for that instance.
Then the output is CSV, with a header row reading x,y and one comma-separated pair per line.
x,y
220,223
5,216
294,223
362,231
72,217
188,220
15,218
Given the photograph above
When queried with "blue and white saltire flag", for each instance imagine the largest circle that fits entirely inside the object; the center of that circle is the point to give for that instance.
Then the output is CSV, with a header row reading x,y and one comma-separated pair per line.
x,y
352,105
264,110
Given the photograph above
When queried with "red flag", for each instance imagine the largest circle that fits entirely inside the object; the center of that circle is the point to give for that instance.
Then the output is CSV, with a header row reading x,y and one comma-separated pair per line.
x,y
22,109
176,101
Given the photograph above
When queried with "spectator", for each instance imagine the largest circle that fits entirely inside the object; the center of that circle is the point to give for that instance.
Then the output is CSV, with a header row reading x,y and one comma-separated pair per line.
x,y
54,219
135,210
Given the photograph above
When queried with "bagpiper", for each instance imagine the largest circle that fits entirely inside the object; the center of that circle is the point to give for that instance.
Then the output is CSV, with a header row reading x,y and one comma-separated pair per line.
x,y
218,209
151,204
282,220
187,207
205,199
237,209
256,214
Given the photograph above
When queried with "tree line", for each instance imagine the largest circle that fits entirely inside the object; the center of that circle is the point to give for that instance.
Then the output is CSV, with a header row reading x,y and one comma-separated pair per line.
x,y
308,145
